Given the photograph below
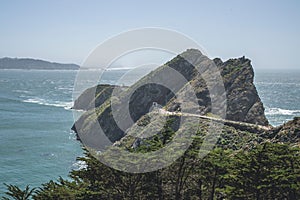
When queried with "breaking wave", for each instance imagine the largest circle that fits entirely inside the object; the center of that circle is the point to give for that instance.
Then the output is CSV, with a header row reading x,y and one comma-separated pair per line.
x,y
65,105
279,111
79,165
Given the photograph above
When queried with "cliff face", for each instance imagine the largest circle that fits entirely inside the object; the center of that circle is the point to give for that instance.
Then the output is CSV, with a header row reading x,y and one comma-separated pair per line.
x,y
94,97
243,102
288,132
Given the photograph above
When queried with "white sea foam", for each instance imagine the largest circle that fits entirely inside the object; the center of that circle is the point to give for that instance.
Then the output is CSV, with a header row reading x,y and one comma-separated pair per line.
x,y
22,91
118,68
78,165
277,83
65,105
279,111
72,135
65,88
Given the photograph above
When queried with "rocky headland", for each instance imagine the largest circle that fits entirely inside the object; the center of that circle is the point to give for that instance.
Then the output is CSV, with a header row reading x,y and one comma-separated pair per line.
x,y
242,102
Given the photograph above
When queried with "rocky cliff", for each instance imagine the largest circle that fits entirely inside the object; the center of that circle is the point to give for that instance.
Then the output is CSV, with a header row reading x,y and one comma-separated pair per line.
x,y
243,102
287,133
94,97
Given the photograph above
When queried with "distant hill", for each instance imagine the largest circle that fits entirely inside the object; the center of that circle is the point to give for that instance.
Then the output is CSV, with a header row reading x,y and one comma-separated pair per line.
x,y
28,63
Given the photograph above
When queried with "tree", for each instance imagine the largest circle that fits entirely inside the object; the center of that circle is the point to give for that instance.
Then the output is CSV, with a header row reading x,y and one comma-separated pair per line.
x,y
270,171
18,194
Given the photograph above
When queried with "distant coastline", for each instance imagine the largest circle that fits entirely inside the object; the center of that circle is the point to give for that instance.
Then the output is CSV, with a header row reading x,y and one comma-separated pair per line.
x,y
29,63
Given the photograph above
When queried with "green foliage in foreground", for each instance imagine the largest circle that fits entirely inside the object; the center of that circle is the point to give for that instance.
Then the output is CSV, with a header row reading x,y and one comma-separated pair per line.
x,y
269,171
14,192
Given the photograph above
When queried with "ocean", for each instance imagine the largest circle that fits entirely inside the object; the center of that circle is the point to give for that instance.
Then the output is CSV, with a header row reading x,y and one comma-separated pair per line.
x,y
36,143
279,91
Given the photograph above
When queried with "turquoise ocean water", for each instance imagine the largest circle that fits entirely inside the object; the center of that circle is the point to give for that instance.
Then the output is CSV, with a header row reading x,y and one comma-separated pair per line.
x,y
36,144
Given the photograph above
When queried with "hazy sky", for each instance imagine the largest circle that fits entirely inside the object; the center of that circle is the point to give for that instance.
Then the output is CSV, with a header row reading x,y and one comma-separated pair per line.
x,y
268,32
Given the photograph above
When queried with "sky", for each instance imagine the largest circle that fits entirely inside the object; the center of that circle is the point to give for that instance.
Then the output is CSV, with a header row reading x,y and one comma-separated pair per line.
x,y
267,32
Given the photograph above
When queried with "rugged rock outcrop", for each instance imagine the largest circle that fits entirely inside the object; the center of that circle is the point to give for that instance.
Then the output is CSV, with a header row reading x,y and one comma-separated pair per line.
x,y
94,97
288,132
243,102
